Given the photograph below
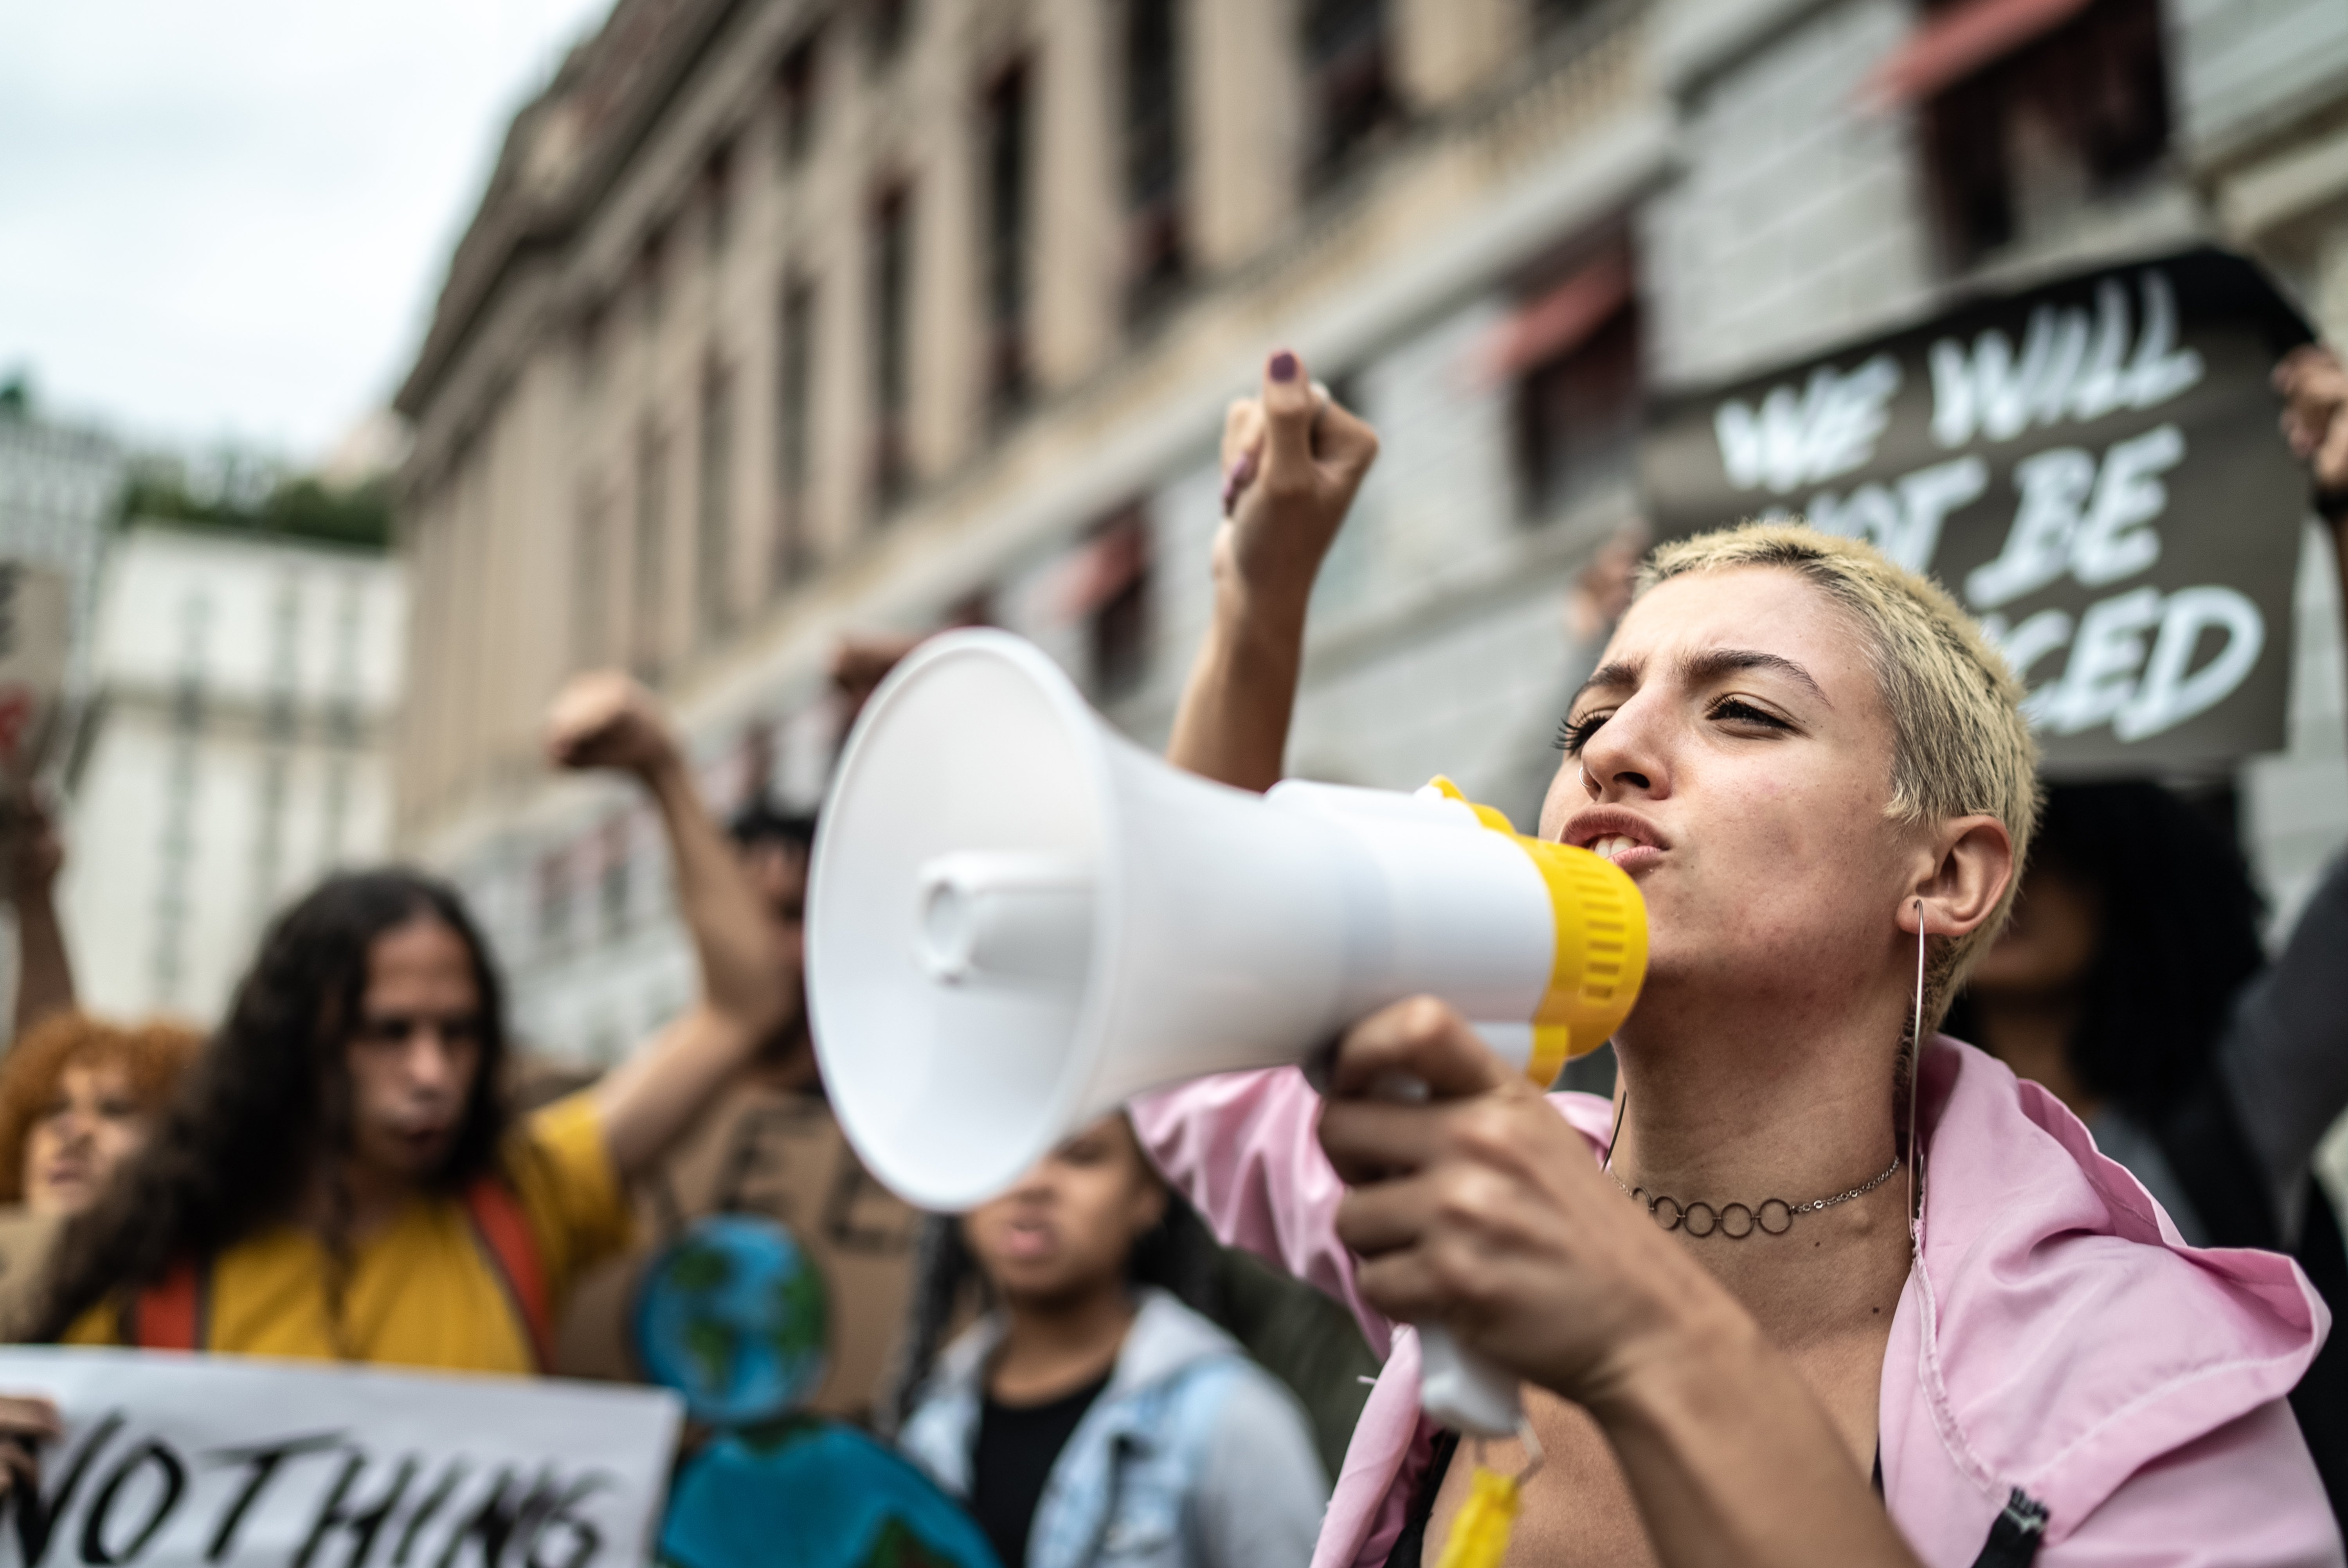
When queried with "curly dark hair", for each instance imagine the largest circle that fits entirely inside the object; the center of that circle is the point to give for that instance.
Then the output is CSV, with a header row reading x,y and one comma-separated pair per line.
x,y
268,1104
2180,936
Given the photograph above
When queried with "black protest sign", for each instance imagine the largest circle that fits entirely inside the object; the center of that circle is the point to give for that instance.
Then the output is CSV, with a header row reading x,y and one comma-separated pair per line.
x,y
2091,465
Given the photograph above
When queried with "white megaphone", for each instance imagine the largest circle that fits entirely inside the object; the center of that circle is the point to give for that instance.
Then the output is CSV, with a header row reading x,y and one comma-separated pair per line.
x,y
1017,919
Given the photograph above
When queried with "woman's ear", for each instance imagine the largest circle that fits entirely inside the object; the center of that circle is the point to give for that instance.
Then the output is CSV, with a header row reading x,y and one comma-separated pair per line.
x,y
1968,862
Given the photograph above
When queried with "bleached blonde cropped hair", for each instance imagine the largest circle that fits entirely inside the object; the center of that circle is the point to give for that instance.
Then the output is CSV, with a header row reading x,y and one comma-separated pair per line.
x,y
1959,745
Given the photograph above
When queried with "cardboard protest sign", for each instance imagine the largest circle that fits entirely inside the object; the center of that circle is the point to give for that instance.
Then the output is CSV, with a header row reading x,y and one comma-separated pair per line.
x,y
780,1154
2091,465
170,1459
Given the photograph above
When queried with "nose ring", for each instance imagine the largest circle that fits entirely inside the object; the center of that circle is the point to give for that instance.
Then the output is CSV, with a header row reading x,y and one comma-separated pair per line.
x,y
1587,782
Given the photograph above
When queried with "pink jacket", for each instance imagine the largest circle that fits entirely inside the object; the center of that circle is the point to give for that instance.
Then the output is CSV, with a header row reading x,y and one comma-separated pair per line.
x,y
2058,1339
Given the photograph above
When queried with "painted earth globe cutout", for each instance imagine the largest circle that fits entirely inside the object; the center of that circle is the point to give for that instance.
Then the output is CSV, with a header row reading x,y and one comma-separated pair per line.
x,y
733,1316
806,1492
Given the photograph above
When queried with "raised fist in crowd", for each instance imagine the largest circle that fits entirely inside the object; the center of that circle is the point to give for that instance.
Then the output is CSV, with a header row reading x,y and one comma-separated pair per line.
x,y
605,719
2314,388
1293,459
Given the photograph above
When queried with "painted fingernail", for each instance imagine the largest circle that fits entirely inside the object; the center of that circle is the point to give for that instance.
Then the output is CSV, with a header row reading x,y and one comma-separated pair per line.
x,y
1237,480
1284,366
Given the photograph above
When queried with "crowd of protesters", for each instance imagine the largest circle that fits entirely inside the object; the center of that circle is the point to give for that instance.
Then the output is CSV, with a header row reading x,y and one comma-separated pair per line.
x,y
342,1171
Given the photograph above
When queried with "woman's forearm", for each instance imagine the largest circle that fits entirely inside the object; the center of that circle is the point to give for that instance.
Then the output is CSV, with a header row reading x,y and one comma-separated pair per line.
x,y
1232,723
1732,1460
44,982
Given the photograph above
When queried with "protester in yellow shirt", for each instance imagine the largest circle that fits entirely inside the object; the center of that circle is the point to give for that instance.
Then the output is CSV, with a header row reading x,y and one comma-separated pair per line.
x,y
341,1181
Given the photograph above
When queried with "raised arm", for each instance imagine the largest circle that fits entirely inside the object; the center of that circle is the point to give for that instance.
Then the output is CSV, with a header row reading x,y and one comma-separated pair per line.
x,y
2314,387
1292,460
607,721
44,982
2284,1055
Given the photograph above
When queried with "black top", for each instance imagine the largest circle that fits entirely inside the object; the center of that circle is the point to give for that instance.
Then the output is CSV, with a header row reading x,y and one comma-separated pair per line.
x,y
1017,1445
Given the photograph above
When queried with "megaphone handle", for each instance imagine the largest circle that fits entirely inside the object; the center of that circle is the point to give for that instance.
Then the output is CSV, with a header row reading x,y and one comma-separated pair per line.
x,y
1458,1388
1463,1391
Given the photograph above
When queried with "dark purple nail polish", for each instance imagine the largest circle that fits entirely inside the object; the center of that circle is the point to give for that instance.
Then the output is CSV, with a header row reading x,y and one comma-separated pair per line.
x,y
1236,479
1284,366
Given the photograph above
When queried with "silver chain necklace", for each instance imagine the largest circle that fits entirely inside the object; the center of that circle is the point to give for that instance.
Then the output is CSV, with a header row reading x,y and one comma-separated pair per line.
x,y
1735,1221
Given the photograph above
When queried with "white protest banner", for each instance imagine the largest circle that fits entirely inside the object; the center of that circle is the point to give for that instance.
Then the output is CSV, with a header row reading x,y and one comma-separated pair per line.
x,y
172,1461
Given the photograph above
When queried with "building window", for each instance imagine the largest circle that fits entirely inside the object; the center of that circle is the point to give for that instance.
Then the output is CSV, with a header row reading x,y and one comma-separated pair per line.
x,y
892,288
611,879
590,583
794,89
651,554
718,199
553,902
1114,586
1346,81
651,276
714,524
887,24
1554,15
794,419
1574,351
588,341
2019,147
1006,141
1153,154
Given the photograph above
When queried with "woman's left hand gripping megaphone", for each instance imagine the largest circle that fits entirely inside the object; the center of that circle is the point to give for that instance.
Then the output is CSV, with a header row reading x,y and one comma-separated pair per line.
x,y
1017,920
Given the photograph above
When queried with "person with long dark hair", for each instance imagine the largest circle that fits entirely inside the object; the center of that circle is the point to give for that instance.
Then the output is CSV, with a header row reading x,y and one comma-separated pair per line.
x,y
1095,1414
2133,983
340,1178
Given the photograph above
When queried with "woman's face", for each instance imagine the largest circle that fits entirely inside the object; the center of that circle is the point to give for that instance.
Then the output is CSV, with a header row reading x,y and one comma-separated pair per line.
x,y
1070,1223
2047,948
1736,760
90,1127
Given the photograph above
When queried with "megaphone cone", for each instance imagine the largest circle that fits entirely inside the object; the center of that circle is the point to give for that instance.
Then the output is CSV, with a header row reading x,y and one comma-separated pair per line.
x,y
1017,919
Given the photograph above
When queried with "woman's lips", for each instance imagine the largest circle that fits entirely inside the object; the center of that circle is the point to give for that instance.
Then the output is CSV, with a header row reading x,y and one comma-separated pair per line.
x,y
1027,1240
1627,852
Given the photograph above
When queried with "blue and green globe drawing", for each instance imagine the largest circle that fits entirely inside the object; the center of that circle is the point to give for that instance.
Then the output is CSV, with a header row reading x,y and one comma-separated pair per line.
x,y
733,1316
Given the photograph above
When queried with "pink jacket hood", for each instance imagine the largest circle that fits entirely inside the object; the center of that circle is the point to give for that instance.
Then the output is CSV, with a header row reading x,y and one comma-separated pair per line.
x,y
2058,1346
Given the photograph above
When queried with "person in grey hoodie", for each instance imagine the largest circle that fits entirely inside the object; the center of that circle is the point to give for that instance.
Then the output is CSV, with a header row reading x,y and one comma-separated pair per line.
x,y
1090,1419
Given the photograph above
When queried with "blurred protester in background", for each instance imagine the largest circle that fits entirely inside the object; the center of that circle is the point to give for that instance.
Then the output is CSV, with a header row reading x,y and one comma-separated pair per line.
x,y
2133,983
45,981
1095,1414
78,1098
768,1144
340,1179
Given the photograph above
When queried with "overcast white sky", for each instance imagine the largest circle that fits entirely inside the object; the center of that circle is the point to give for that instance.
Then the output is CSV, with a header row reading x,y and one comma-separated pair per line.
x,y
227,219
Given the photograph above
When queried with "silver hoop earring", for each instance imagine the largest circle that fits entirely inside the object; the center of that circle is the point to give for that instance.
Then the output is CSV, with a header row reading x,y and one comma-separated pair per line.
x,y
1915,1070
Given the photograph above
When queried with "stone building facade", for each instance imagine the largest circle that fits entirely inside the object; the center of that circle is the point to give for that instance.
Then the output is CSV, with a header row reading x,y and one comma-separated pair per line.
x,y
236,750
787,318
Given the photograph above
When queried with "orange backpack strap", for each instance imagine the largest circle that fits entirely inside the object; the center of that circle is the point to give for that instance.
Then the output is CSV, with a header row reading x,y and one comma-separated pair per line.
x,y
503,1227
169,1314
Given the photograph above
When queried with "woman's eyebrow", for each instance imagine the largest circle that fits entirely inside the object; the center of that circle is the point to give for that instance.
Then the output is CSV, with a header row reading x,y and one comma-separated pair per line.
x,y
1617,676
1710,665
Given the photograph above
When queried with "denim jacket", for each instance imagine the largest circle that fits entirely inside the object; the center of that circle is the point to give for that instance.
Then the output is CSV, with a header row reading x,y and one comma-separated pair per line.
x,y
1193,1457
